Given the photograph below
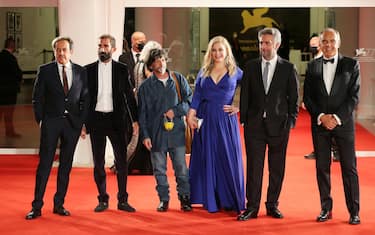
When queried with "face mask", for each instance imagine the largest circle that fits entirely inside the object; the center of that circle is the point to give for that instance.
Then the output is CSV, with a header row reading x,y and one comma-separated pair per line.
x,y
314,50
140,46
104,56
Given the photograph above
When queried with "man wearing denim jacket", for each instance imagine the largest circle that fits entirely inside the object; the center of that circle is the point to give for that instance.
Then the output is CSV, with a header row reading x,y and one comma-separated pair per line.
x,y
159,103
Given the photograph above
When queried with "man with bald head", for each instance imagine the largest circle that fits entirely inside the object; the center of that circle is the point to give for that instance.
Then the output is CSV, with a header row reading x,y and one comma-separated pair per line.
x,y
316,52
138,41
331,94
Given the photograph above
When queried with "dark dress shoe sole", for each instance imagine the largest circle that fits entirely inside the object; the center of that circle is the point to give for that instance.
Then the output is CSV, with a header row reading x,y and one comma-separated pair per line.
x,y
62,212
354,220
247,215
324,217
126,208
275,214
33,215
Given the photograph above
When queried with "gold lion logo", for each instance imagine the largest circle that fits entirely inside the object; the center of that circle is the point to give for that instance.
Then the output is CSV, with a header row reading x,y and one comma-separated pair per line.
x,y
255,19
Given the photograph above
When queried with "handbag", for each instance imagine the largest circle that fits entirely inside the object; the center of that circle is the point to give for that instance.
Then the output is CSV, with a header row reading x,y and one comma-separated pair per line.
x,y
188,132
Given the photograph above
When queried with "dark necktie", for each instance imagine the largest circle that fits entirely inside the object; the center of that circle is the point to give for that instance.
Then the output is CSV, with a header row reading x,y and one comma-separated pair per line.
x,y
330,60
65,81
137,56
265,75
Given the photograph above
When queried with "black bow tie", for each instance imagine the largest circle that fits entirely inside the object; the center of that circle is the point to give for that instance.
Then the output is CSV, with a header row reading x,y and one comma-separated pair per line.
x,y
330,60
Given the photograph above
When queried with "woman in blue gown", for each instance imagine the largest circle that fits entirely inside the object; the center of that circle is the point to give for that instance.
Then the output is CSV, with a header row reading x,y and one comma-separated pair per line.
x,y
216,168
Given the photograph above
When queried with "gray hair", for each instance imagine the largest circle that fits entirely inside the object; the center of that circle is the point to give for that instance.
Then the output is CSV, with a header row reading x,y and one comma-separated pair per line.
x,y
270,31
62,38
337,34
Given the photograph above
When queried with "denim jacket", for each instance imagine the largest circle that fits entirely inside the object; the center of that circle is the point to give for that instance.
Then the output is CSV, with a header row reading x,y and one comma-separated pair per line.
x,y
155,99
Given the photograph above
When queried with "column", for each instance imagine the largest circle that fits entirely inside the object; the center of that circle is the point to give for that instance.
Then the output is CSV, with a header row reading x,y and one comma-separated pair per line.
x,y
366,107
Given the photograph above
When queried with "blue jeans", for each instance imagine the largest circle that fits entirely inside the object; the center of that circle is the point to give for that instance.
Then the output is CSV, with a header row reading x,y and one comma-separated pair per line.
x,y
181,172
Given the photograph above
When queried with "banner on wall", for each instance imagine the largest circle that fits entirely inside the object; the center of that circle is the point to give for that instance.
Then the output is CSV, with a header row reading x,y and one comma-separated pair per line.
x,y
241,25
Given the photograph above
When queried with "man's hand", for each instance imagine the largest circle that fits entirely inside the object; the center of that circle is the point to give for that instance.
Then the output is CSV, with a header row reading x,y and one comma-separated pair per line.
x,y
328,121
169,114
135,128
147,143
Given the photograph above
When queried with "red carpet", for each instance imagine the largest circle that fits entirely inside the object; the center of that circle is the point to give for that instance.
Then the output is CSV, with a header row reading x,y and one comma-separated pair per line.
x,y
299,201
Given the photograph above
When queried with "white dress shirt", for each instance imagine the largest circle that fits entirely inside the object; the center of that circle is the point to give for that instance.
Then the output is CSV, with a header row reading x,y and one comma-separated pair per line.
x,y
271,70
104,101
329,71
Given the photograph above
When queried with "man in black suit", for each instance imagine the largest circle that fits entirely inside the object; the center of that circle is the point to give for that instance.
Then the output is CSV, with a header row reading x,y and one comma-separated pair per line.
x,y
331,93
60,100
112,105
140,161
138,41
10,80
268,110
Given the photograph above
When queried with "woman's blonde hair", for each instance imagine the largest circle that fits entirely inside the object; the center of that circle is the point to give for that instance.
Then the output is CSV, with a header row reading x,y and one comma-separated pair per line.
x,y
230,62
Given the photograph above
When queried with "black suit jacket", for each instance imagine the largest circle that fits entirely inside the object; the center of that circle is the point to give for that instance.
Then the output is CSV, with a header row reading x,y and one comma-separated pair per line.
x,y
49,100
280,104
128,59
10,74
122,94
343,97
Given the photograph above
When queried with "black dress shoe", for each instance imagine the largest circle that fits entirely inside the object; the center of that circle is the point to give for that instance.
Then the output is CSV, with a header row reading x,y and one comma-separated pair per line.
x,y
324,216
247,214
185,203
275,213
61,211
102,206
354,220
163,206
310,155
33,214
124,206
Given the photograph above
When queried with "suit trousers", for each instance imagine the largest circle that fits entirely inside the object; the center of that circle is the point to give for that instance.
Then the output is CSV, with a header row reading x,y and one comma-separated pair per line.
x,y
52,130
105,128
256,143
345,144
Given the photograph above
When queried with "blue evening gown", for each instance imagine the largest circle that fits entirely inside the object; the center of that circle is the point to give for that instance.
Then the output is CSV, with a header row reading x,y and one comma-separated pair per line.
x,y
216,168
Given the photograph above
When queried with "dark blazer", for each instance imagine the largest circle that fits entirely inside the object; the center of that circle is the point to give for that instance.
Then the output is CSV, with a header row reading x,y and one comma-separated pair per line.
x,y
343,97
122,93
49,99
128,59
280,104
10,74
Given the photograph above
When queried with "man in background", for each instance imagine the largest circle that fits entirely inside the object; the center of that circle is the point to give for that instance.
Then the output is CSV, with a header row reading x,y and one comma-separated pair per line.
x,y
130,58
139,162
10,80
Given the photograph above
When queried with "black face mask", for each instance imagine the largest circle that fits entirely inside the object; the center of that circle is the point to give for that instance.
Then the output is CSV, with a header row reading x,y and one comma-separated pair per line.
x,y
314,50
140,46
103,56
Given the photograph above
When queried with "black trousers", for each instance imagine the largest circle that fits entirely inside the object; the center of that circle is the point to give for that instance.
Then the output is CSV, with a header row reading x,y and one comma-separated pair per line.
x,y
105,128
256,144
52,130
348,162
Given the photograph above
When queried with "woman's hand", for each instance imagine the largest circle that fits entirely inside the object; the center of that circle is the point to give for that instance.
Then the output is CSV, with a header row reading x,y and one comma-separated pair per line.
x,y
230,109
191,119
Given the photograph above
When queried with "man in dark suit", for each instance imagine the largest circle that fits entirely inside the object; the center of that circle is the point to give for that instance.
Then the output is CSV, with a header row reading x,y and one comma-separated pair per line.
x,y
139,162
10,80
138,41
331,93
112,105
268,110
60,100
